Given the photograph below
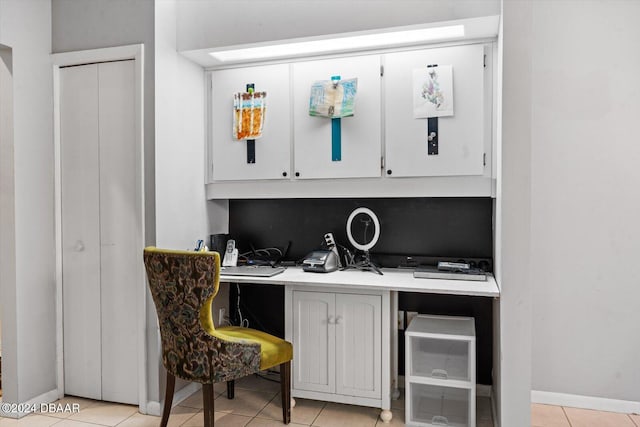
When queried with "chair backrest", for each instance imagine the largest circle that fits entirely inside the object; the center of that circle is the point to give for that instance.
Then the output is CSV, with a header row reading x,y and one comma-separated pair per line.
x,y
183,285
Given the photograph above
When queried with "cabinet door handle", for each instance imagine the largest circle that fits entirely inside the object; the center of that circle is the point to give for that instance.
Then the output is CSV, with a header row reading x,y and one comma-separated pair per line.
x,y
331,320
338,319
79,246
440,373
439,420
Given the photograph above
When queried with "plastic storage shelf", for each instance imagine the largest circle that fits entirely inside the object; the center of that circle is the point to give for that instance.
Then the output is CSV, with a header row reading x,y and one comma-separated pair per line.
x,y
436,405
440,358
440,371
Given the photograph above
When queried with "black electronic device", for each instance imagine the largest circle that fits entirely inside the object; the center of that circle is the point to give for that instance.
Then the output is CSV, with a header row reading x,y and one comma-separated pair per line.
x,y
431,272
460,267
218,243
331,244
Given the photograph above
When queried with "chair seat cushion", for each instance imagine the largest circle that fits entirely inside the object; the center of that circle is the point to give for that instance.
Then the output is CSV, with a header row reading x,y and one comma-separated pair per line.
x,y
273,350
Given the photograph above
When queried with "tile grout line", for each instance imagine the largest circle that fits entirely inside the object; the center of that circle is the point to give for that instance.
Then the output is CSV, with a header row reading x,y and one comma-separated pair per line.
x,y
85,422
566,416
324,405
193,416
256,415
262,409
57,422
132,415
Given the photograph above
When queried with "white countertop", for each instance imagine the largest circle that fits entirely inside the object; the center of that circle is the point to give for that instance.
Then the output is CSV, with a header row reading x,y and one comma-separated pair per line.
x,y
393,279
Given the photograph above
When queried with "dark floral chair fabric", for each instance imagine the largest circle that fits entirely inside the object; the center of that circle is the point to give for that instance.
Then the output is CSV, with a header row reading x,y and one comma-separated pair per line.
x,y
183,285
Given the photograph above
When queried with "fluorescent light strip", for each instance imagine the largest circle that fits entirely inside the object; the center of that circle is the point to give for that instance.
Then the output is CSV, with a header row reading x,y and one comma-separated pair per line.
x,y
341,44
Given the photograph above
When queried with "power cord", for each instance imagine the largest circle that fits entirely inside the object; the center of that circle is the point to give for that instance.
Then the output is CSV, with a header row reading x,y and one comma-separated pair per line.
x,y
243,322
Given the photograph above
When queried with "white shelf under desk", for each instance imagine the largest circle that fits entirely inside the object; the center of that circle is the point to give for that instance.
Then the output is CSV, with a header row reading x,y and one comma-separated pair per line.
x,y
366,283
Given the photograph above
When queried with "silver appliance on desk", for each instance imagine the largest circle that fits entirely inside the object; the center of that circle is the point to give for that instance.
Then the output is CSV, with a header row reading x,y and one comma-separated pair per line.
x,y
321,261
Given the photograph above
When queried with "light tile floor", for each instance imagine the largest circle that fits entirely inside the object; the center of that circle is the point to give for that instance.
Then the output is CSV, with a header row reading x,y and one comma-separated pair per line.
x,y
558,416
257,404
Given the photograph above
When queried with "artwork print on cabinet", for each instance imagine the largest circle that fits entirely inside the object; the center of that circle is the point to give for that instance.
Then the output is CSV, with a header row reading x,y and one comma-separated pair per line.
x,y
334,99
462,137
360,134
272,150
249,109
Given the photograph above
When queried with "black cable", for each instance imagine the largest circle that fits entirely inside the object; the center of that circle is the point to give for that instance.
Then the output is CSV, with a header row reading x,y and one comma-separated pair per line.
x,y
256,320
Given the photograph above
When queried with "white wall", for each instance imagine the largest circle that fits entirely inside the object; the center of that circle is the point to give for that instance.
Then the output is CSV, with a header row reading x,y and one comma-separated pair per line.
x,y
585,198
93,24
29,363
181,205
214,23
7,222
183,214
513,217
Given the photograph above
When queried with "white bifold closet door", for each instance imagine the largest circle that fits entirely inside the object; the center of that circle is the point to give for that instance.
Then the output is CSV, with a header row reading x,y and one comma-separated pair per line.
x,y
99,225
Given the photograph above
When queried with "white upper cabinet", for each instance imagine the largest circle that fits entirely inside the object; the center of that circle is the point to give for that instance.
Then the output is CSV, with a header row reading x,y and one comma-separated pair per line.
x,y
384,140
360,145
463,138
272,150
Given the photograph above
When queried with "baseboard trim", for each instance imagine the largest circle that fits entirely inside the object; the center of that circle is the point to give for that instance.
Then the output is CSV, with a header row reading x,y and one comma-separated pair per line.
x,y
585,402
155,408
48,397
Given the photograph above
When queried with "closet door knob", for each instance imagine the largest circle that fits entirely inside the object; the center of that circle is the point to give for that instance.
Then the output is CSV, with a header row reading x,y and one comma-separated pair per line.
x,y
79,246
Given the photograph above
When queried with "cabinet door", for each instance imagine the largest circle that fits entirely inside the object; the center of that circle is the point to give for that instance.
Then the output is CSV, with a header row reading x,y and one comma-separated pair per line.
x,y
119,228
229,156
80,163
99,228
460,137
358,345
360,134
314,341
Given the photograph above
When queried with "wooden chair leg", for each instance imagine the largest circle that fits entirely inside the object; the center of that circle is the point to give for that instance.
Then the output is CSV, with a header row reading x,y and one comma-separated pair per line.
x,y
231,389
208,401
168,399
285,391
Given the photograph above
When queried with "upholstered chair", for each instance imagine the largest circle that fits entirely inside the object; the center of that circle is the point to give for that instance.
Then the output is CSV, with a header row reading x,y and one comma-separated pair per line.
x,y
183,285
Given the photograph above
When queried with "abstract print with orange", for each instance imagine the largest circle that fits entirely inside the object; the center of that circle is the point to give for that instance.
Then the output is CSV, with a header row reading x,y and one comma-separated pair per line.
x,y
248,114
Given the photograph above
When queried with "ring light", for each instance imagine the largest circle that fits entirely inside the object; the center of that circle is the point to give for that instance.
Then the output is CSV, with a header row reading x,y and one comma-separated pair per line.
x,y
376,229
364,263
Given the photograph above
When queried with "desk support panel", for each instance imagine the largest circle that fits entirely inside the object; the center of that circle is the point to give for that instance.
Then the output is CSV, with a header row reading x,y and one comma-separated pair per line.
x,y
352,332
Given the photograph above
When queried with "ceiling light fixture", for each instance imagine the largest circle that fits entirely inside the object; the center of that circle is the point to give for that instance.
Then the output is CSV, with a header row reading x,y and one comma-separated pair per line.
x,y
341,44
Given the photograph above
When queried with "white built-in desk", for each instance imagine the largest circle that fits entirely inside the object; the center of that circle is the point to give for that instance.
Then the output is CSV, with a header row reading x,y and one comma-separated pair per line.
x,y
340,325
401,280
